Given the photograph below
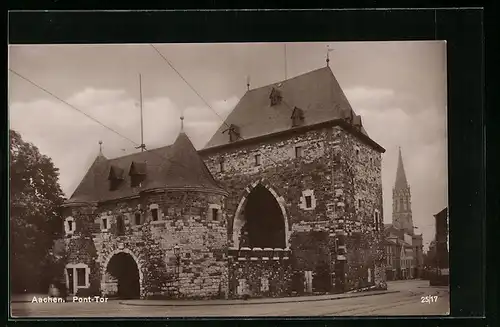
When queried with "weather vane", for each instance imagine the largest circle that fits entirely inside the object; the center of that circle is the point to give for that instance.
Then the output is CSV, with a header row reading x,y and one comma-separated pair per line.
x,y
328,50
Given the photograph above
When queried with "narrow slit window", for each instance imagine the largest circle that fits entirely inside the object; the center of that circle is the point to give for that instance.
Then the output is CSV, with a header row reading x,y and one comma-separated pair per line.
x,y
70,225
298,151
215,213
137,218
104,223
308,201
120,226
80,277
154,214
257,160
221,166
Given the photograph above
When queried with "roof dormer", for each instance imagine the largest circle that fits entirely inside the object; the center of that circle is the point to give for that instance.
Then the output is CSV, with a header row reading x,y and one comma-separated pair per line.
x,y
234,133
115,177
137,173
276,97
297,117
357,122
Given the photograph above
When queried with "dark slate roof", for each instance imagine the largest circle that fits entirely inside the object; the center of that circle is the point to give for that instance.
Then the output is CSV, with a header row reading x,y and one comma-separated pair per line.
x,y
317,93
174,167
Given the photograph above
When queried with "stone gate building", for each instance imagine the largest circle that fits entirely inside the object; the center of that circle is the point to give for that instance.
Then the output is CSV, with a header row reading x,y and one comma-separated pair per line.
x,y
285,198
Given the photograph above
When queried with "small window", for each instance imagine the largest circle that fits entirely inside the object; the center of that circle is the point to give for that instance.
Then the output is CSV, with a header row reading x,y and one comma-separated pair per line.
x,y
104,223
136,180
376,221
221,165
154,214
308,201
80,277
120,226
215,212
137,218
70,225
298,151
359,203
257,160
371,161
357,153
113,184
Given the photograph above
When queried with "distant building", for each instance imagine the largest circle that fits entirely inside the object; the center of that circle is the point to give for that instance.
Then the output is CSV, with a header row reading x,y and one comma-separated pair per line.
x,y
399,254
442,259
400,235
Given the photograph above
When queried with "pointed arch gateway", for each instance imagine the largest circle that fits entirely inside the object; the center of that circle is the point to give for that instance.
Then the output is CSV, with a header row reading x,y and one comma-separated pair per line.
x,y
261,219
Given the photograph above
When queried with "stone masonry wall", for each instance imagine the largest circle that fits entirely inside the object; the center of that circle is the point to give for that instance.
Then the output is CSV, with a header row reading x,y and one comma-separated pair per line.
x,y
260,278
288,176
330,171
186,220
363,193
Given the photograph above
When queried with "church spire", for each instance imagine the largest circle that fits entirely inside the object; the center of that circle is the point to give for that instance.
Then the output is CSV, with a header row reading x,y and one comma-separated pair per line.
x,y
401,181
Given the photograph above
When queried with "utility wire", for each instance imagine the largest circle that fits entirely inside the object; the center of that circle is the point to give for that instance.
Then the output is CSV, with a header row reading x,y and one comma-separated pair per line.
x,y
185,81
90,117
201,97
70,105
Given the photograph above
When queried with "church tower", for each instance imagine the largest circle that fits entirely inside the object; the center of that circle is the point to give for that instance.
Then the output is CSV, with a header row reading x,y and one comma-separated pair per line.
x,y
401,200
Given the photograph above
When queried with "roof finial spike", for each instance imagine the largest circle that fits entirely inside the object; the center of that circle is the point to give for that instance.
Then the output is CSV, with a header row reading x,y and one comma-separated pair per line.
x,y
100,148
328,55
248,82
182,123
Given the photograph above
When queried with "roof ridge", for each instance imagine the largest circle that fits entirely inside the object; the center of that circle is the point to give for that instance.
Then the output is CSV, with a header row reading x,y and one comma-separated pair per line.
x,y
289,79
141,152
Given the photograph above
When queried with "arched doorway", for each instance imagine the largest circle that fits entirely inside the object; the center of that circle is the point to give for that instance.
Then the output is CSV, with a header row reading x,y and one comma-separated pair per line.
x,y
263,225
122,267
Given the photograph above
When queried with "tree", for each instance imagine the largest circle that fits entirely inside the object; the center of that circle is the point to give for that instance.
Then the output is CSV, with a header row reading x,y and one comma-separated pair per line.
x,y
35,219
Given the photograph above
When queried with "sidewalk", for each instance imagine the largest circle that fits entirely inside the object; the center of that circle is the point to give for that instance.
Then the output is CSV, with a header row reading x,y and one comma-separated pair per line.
x,y
188,303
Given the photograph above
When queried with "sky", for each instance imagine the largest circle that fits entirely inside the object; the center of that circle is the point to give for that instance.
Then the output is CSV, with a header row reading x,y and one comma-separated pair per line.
x,y
398,88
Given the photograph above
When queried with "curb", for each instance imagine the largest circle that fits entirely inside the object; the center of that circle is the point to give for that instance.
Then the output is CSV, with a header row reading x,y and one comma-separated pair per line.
x,y
250,303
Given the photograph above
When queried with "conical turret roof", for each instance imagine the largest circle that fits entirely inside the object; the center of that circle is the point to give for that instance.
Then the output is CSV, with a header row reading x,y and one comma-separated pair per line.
x,y
174,167
186,169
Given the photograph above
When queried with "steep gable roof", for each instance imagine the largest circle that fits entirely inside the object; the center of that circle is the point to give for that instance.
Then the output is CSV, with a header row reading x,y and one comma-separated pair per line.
x,y
174,167
317,93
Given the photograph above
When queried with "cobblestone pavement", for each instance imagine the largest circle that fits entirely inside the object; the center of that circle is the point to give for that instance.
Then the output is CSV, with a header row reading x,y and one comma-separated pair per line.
x,y
407,301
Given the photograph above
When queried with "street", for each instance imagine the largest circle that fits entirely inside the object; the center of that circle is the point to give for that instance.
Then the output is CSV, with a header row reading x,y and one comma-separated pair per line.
x,y
405,299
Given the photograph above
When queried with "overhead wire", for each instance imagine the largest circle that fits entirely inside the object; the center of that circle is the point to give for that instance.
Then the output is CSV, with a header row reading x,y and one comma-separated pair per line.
x,y
90,117
202,98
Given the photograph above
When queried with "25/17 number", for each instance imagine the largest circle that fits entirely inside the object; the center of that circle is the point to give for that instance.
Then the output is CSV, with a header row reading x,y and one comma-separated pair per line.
x,y
429,299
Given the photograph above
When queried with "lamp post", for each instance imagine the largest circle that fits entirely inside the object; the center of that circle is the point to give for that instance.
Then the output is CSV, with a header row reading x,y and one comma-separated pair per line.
x,y
177,253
